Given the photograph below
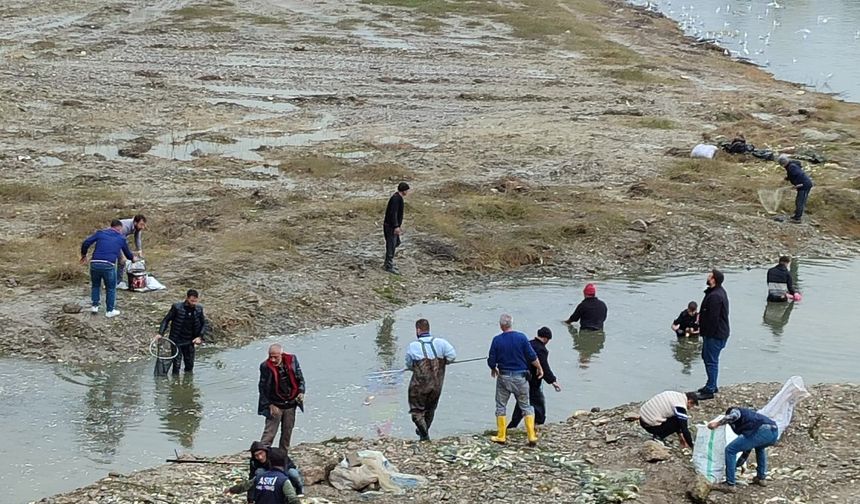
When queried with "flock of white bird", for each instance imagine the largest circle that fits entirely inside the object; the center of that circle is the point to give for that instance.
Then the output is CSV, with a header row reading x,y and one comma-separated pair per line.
x,y
735,41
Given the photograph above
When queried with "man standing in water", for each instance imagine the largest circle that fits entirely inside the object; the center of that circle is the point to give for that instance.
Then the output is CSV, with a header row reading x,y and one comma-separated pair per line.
x,y
802,184
714,328
282,388
779,283
391,226
426,357
187,330
536,397
509,359
590,312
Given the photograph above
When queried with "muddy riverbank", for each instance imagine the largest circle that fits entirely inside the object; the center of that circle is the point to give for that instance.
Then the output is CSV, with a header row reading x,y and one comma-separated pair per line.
x,y
575,460
262,140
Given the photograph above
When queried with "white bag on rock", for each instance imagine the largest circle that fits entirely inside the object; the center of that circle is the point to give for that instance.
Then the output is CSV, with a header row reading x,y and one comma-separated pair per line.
x,y
781,407
709,451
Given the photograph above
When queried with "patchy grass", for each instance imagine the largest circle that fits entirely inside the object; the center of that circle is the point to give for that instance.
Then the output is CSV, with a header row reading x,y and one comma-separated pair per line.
x,y
17,192
429,24
390,172
316,165
637,75
390,292
656,123
203,11
348,23
836,209
65,273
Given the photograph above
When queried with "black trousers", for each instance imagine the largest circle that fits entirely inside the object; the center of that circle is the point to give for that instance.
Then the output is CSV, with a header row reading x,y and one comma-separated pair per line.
x,y
664,430
537,401
392,241
186,353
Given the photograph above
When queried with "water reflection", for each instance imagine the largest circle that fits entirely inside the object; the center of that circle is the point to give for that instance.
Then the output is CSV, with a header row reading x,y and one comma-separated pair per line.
x,y
776,316
587,343
111,400
384,393
180,407
686,351
386,343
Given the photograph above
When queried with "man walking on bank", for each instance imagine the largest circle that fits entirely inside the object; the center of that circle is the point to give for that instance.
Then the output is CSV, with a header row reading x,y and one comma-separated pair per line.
x,y
536,397
110,244
187,330
282,388
509,359
426,357
391,226
714,329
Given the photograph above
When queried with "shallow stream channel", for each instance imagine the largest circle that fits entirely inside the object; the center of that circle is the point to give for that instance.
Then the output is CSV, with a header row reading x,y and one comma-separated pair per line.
x,y
64,427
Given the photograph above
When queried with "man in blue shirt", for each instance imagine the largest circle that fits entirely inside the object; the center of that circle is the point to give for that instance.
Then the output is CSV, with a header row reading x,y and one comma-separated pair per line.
x,y
802,184
426,357
509,360
110,243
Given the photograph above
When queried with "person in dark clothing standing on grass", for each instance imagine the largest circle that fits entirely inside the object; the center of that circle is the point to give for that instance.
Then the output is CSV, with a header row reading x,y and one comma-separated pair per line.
x,y
509,358
391,226
667,413
110,244
802,184
187,330
536,397
590,312
779,283
687,323
282,388
714,328
273,486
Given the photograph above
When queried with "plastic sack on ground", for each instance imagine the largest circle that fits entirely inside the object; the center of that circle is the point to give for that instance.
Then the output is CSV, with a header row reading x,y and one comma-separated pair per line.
x,y
704,151
781,406
364,468
709,451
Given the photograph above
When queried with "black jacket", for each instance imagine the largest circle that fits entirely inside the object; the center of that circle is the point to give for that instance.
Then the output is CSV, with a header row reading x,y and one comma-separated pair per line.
x,y
186,323
394,211
686,320
714,313
780,275
543,357
274,390
794,173
590,313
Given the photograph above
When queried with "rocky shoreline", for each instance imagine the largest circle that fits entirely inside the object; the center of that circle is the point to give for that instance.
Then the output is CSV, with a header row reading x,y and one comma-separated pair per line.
x,y
599,456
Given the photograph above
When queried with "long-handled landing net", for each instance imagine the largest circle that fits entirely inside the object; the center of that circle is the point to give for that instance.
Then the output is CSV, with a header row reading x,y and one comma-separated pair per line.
x,y
771,199
163,349
395,376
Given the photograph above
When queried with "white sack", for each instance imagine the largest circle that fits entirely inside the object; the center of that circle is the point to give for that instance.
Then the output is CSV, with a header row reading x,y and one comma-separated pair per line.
x,y
704,151
781,407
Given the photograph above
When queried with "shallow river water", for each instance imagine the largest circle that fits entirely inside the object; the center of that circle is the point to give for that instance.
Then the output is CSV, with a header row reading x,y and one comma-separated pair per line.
x,y
63,428
812,42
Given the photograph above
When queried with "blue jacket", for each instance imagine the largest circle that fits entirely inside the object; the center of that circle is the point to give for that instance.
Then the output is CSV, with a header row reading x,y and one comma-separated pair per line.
x,y
511,352
795,174
109,245
745,422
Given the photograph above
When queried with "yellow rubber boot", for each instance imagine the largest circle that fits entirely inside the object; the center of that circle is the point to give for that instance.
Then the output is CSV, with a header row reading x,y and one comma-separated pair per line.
x,y
502,425
530,430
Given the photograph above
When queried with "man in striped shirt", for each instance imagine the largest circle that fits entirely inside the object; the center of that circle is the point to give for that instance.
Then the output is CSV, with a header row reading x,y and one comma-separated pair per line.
x,y
667,413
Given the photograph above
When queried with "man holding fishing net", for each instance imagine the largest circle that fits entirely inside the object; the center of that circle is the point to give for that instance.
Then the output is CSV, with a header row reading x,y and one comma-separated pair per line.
x,y
802,184
426,357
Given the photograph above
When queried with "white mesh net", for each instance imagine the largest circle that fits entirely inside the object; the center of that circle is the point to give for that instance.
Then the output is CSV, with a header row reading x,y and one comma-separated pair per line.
x,y
771,199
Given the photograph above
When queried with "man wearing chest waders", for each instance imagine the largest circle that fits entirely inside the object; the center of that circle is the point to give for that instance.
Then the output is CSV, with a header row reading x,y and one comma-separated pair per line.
x,y
426,357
